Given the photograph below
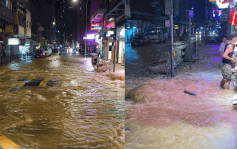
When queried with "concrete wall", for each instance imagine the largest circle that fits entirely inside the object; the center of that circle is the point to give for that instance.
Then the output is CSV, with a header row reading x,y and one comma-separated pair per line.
x,y
28,24
21,30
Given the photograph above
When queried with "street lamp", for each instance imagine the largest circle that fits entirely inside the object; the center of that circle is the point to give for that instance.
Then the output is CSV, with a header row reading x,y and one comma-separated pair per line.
x,y
53,23
74,1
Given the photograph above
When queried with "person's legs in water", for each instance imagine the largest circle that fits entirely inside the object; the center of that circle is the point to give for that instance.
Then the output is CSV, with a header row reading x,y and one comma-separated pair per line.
x,y
226,73
222,83
227,84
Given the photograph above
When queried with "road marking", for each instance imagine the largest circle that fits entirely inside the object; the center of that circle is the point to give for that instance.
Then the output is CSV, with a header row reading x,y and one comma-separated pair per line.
x,y
21,84
6,143
44,82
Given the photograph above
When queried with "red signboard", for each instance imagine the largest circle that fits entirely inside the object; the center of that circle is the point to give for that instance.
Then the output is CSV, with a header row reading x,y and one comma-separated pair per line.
x,y
95,24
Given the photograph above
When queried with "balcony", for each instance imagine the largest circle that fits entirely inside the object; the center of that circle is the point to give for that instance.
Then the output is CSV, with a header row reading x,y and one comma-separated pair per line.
x,y
6,15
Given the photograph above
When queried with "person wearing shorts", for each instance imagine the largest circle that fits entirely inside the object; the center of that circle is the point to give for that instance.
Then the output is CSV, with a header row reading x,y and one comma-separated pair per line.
x,y
227,61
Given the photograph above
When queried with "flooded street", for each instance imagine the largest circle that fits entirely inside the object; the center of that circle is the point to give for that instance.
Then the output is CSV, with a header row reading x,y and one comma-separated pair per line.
x,y
60,102
160,115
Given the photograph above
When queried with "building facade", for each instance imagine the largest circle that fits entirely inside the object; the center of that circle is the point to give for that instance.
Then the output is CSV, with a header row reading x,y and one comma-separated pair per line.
x,y
6,24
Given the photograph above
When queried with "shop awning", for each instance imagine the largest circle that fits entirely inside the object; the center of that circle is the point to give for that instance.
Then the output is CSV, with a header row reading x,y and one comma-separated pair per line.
x,y
118,11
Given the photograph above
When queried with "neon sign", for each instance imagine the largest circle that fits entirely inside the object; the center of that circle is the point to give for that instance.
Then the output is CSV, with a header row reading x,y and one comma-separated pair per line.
x,y
89,36
216,14
96,26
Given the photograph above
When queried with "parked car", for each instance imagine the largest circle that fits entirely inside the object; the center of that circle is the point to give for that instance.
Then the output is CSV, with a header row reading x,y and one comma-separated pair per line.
x,y
39,53
55,51
140,40
157,35
47,50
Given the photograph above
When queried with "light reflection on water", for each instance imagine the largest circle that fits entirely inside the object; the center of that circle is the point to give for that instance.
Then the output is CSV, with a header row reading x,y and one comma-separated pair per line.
x,y
14,66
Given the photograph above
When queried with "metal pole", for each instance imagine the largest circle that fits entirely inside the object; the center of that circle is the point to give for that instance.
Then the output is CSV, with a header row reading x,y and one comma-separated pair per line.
x,y
190,53
171,40
86,29
115,49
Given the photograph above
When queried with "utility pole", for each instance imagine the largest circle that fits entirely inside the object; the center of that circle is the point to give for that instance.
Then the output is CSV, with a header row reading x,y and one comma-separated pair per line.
x,y
115,49
190,35
86,28
171,39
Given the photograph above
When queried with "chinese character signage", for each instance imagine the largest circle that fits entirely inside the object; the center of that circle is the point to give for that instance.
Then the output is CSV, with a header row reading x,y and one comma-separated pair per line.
x,y
95,26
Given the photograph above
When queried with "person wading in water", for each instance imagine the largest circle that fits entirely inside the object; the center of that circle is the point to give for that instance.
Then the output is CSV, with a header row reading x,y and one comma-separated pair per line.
x,y
227,62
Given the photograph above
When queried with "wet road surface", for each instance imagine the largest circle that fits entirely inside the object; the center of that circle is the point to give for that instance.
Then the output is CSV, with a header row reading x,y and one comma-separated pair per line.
x,y
159,115
60,102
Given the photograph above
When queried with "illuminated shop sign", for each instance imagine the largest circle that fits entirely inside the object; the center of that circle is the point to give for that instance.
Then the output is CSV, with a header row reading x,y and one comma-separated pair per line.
x,y
110,25
176,27
216,14
111,19
96,26
223,3
109,33
122,33
190,13
13,41
89,36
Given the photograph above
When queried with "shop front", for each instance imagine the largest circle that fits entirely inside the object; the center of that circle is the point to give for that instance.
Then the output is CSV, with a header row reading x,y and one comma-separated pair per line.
x,y
121,45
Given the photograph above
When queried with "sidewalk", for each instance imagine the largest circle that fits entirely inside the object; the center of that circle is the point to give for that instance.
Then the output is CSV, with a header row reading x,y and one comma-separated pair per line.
x,y
118,67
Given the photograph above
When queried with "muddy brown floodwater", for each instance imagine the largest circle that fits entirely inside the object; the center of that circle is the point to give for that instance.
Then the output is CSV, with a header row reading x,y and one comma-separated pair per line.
x,y
165,117
159,115
60,102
